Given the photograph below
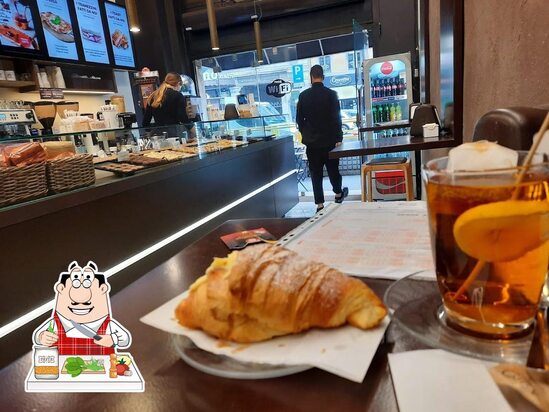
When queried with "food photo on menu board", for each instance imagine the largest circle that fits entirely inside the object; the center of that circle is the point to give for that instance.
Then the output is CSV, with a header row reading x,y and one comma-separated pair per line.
x,y
58,31
91,31
17,27
120,35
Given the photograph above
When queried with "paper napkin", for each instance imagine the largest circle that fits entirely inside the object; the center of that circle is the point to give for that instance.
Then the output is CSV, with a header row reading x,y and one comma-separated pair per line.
x,y
435,380
344,351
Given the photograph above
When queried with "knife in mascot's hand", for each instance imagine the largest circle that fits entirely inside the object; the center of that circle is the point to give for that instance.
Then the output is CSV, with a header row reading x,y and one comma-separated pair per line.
x,y
85,330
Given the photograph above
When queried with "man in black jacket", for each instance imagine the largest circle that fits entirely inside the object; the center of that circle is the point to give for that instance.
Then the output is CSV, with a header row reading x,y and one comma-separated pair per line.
x,y
319,121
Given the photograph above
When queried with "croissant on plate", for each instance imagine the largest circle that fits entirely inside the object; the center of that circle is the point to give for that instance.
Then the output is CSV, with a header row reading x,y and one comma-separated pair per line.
x,y
266,291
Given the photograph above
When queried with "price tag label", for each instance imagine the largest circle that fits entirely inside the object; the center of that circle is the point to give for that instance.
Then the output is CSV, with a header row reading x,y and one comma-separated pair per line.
x,y
51,93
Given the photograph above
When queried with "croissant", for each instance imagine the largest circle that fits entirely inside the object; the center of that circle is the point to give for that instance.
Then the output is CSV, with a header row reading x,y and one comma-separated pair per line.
x,y
266,291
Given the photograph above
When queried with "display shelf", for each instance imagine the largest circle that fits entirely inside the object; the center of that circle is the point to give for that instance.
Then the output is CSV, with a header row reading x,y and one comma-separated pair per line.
x,y
396,123
388,99
386,126
239,118
16,84
32,88
85,132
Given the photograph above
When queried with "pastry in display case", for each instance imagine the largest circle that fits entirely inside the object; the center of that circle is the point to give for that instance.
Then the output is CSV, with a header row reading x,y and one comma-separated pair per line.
x,y
119,169
77,157
168,155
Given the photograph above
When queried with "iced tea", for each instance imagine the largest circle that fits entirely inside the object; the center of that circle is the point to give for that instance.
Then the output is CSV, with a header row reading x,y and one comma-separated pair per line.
x,y
503,299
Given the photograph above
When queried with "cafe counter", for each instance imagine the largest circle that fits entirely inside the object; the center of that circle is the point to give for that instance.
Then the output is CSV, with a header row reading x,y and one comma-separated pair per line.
x,y
119,222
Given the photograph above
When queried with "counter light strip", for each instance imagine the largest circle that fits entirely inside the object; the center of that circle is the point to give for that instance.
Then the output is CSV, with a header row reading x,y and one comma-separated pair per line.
x,y
35,313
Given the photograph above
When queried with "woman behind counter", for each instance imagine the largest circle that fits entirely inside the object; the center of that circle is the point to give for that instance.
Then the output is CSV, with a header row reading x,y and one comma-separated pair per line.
x,y
167,105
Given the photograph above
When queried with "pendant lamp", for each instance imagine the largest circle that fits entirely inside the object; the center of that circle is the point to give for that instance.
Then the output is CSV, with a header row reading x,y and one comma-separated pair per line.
x,y
258,42
133,18
212,24
257,32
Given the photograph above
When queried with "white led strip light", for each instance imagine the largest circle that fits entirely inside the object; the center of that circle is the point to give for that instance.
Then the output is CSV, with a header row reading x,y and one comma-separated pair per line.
x,y
33,314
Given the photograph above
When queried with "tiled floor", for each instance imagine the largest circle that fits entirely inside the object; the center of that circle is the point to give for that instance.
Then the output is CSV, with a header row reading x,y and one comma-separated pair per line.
x,y
307,209
302,209
352,182
306,206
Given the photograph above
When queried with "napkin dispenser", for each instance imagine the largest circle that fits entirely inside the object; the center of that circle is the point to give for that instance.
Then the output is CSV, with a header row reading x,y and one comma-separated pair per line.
x,y
422,114
430,130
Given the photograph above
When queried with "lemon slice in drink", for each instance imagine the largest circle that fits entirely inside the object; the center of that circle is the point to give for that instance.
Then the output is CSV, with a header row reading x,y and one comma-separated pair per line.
x,y
502,231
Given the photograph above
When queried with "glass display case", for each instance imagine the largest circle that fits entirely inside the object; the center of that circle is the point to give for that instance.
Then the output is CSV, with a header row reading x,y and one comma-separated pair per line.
x,y
35,166
246,129
111,140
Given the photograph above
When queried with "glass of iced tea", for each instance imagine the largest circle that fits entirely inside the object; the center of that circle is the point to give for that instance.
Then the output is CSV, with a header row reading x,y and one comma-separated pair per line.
x,y
489,241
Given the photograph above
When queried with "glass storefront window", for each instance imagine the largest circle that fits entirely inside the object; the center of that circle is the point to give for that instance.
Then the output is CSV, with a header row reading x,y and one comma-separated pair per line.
x,y
221,79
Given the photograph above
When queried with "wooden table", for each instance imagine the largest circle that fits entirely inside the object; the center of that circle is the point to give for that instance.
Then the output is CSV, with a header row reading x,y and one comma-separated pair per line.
x,y
392,145
170,384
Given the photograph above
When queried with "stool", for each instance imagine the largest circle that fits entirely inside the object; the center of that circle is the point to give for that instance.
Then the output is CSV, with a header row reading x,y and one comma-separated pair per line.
x,y
367,169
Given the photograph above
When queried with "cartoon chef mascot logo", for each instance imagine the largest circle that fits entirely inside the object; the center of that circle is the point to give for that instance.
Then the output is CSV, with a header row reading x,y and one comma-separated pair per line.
x,y
76,349
81,323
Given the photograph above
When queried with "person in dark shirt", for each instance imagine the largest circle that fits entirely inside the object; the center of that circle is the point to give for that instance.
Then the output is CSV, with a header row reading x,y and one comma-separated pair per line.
x,y
167,105
319,121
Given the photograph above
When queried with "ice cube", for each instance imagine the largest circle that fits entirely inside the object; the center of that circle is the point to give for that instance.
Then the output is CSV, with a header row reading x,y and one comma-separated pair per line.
x,y
481,155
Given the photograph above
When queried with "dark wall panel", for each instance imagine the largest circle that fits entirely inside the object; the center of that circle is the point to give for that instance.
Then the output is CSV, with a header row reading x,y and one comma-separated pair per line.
x,y
395,31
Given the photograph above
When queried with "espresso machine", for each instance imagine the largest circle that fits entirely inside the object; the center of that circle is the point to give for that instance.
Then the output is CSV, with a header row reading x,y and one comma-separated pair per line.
x,y
16,122
127,119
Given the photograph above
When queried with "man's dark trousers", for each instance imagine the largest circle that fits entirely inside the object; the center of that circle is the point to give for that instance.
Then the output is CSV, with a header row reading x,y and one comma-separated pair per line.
x,y
318,158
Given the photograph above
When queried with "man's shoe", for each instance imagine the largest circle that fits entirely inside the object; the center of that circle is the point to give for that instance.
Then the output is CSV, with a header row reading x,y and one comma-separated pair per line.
x,y
319,208
344,194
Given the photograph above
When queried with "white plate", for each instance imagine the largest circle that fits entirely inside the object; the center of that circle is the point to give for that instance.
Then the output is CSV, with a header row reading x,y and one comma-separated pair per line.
x,y
225,367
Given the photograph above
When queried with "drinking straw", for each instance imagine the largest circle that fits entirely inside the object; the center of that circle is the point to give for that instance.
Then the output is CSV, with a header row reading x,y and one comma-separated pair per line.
x,y
525,166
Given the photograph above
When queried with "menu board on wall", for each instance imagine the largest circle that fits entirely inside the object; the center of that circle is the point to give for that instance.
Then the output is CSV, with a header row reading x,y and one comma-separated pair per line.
x,y
57,24
17,26
119,32
91,31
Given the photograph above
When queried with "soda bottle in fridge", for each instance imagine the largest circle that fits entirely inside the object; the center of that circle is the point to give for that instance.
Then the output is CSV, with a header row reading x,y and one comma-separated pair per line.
x,y
398,112
402,87
392,113
394,87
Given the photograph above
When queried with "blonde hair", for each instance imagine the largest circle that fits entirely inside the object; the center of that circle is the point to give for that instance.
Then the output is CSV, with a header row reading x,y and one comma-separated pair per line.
x,y
171,81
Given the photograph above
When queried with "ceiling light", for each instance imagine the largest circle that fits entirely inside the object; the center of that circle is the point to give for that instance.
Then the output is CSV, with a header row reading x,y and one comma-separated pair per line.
x,y
133,18
212,24
258,42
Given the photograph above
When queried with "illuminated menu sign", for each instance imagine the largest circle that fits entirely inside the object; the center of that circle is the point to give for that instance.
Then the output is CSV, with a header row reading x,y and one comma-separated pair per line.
x,y
119,32
17,28
57,25
91,31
